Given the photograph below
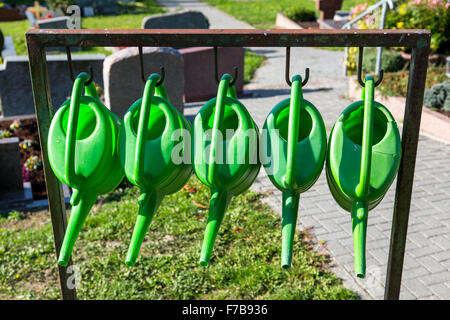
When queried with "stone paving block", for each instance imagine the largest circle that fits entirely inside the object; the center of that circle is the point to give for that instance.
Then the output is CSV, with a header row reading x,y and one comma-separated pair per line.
x,y
441,290
380,255
335,235
435,278
407,295
373,244
415,273
418,238
336,248
442,241
383,227
424,251
431,264
441,255
435,231
417,288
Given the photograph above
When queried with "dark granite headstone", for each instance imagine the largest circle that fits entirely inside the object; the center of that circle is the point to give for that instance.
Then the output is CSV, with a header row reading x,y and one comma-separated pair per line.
x,y
185,19
15,83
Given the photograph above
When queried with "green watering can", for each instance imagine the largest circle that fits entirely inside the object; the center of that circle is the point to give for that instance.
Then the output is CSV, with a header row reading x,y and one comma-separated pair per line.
x,y
153,141
293,156
82,153
362,160
229,165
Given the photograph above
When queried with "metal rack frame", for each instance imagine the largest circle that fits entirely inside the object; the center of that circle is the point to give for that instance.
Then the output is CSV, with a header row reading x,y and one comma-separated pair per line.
x,y
417,40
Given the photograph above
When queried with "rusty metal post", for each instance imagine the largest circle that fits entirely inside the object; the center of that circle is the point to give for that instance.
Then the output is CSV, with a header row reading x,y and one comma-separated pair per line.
x,y
55,195
410,138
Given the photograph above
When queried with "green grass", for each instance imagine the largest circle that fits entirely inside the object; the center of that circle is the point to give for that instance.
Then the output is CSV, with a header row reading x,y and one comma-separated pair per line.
x,y
245,263
262,13
17,30
252,62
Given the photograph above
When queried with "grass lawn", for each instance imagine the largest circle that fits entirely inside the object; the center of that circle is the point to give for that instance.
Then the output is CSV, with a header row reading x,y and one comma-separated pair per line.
x,y
245,263
262,13
252,62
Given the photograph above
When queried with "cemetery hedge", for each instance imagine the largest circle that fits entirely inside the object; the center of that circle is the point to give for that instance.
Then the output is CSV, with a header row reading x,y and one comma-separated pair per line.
x,y
245,263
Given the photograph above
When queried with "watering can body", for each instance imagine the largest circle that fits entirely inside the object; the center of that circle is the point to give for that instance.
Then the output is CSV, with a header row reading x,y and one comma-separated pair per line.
x,y
224,155
82,151
160,172
345,152
293,156
239,165
154,150
311,147
363,158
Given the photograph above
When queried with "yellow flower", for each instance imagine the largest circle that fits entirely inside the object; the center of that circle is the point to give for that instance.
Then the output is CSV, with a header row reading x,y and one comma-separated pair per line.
x,y
402,10
400,25
17,276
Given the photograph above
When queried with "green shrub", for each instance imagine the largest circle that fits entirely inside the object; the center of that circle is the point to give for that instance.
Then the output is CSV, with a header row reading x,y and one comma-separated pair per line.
x,y
438,96
300,14
60,4
424,14
391,61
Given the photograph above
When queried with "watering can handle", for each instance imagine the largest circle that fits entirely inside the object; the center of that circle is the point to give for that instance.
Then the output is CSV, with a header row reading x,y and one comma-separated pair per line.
x,y
366,157
222,93
74,111
149,91
294,122
90,90
160,91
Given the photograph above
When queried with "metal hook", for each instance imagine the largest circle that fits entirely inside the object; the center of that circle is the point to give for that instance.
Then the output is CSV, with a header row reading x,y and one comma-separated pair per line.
x,y
360,60
144,79
288,65
69,61
216,72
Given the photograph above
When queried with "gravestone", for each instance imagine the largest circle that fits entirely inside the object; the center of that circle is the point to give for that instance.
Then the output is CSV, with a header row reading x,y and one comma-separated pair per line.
x,y
122,76
185,19
100,6
88,11
15,84
327,8
54,23
200,83
10,168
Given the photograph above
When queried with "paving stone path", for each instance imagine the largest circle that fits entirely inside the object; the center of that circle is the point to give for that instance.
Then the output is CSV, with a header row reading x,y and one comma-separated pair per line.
x,y
426,272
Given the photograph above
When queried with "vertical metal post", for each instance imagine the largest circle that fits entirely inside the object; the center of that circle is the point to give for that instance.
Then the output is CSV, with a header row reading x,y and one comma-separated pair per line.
x,y
410,137
380,49
44,113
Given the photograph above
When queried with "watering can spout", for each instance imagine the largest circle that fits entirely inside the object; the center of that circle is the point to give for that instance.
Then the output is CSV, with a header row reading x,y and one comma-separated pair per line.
x,y
148,204
360,212
290,212
217,207
82,203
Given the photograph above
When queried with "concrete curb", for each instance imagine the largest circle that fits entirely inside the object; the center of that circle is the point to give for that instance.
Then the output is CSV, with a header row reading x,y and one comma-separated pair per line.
x,y
286,23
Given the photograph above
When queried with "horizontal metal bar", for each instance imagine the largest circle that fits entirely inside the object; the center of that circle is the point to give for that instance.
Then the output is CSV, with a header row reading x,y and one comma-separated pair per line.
x,y
228,38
